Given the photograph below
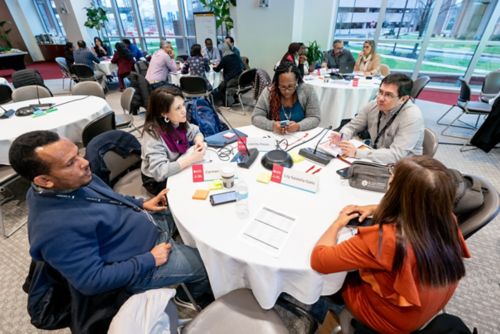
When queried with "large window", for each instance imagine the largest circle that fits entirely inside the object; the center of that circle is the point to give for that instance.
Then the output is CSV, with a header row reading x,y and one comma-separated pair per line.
x,y
418,35
50,19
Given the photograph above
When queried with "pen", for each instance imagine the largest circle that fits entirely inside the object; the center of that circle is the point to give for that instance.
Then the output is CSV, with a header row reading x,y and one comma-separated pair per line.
x,y
310,169
344,160
317,171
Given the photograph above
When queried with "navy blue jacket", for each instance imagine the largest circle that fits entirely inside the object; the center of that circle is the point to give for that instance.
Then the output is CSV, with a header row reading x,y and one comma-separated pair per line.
x,y
97,247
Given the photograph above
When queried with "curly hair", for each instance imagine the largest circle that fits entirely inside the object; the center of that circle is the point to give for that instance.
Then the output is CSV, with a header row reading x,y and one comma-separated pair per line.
x,y
275,94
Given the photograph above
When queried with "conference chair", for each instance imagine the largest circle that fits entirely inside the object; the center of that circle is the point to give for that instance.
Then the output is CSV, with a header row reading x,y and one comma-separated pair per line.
x,y
181,58
490,87
29,93
430,142
419,85
245,84
5,94
28,77
237,311
92,88
467,107
99,125
63,66
384,70
126,119
483,215
141,67
84,73
194,86
12,186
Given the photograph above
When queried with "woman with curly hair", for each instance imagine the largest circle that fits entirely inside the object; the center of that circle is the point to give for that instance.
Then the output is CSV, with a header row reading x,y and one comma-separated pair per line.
x,y
287,105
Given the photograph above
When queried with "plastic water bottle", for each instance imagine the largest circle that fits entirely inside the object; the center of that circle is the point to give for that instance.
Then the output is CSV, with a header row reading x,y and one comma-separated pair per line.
x,y
242,199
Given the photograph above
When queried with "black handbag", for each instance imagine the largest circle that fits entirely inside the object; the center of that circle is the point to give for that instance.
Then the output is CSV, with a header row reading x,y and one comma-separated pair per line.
x,y
369,176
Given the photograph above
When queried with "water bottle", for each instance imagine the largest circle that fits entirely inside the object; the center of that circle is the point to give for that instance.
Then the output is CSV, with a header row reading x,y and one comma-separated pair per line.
x,y
242,199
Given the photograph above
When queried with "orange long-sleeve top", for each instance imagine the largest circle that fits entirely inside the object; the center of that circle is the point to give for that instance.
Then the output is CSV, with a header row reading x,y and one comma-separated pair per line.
x,y
386,301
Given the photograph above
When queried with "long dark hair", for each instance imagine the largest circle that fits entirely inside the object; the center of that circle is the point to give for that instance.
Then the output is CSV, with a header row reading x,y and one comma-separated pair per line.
x,y
160,101
419,202
293,48
275,94
123,51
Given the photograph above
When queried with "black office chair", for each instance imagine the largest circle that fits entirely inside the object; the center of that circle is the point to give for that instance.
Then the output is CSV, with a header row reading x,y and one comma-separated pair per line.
x,y
28,77
468,107
193,86
99,125
141,67
483,215
5,94
245,83
419,85
490,87
83,72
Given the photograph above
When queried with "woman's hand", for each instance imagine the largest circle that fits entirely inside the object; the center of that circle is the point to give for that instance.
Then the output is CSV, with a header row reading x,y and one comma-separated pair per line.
x,y
292,127
277,127
157,203
363,210
198,153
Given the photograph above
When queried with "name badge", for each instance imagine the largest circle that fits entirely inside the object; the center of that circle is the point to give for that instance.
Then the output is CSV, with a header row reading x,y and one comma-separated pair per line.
x,y
208,172
296,179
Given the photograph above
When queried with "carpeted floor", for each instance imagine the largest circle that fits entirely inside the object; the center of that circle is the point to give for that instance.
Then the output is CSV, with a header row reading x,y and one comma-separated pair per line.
x,y
49,70
476,301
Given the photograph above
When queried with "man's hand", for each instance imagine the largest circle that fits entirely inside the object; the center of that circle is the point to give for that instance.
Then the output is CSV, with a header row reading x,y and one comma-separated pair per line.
x,y
335,138
160,253
157,203
348,149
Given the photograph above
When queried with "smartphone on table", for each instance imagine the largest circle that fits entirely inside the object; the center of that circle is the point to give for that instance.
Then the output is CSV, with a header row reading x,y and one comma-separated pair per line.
x,y
223,198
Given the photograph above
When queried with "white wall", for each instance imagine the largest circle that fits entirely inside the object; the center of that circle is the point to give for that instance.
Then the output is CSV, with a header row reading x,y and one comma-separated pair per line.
x,y
318,21
73,19
263,34
22,11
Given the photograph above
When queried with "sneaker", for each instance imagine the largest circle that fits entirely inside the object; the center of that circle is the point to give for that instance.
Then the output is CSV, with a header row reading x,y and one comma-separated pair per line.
x,y
182,303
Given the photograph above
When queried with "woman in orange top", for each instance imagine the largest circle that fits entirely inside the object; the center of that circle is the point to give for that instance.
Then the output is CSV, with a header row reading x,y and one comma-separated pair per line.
x,y
409,263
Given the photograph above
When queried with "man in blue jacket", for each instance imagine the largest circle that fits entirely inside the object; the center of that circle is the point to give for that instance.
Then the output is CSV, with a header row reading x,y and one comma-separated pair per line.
x,y
97,239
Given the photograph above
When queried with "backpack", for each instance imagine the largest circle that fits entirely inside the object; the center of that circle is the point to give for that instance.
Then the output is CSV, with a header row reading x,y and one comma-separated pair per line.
x,y
469,195
201,113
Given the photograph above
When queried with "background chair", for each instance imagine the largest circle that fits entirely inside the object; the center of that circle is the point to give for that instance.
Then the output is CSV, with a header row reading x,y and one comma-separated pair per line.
x,y
480,217
126,119
430,143
99,125
490,87
141,67
419,85
30,92
28,77
12,186
88,88
85,73
384,70
5,94
63,66
468,107
237,311
193,86
245,84
181,58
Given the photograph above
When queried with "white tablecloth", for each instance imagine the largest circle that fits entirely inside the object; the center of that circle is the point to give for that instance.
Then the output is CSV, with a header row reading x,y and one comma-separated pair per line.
x,y
213,77
107,67
68,120
233,263
338,99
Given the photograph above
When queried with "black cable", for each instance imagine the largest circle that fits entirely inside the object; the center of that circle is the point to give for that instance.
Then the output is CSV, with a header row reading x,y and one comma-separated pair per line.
x,y
63,103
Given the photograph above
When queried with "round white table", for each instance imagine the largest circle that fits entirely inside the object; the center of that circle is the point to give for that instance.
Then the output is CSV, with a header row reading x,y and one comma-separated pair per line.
x,y
232,262
213,77
338,99
106,67
68,120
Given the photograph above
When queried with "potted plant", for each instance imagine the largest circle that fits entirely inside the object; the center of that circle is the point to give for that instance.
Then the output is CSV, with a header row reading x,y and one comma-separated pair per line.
x,y
4,36
96,19
221,10
314,55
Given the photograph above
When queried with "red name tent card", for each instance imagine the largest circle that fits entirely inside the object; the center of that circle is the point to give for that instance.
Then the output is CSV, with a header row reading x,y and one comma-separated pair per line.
x,y
198,175
242,145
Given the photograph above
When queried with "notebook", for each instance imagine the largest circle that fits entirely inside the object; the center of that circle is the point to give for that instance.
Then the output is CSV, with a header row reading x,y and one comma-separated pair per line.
x,y
218,139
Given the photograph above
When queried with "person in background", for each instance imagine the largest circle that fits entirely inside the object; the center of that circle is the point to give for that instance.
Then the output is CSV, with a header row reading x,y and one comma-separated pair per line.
x,y
84,56
232,67
292,54
229,41
338,57
303,65
125,61
196,64
161,64
394,122
211,53
166,139
409,262
368,61
95,238
287,105
134,50
68,54
99,48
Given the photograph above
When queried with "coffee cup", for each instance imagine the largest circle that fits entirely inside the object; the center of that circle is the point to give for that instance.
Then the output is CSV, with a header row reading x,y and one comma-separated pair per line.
x,y
227,176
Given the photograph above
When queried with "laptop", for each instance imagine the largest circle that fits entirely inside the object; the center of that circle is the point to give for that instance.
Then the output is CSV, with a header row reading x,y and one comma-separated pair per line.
x,y
346,68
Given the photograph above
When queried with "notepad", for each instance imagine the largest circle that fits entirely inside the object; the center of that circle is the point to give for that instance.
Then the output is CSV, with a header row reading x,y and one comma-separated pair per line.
x,y
264,177
200,194
296,157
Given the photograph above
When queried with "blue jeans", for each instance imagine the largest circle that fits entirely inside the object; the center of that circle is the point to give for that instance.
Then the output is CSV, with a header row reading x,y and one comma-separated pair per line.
x,y
184,264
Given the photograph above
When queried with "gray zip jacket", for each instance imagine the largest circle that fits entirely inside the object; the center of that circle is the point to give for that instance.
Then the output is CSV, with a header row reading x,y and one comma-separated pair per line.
x,y
158,161
308,99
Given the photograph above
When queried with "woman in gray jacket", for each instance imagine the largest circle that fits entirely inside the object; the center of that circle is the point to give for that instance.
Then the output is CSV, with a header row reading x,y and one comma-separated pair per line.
x,y
166,139
287,105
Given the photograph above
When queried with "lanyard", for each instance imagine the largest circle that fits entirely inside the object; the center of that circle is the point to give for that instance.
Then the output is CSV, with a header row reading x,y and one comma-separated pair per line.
x,y
287,116
387,125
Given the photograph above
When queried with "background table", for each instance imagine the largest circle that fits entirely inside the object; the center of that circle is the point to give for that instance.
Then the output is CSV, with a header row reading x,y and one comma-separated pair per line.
x,y
338,99
213,77
107,67
233,263
68,121
12,60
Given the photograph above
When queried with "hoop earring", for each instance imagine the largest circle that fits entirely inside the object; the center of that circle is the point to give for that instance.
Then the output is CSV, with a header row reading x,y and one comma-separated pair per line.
x,y
166,120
